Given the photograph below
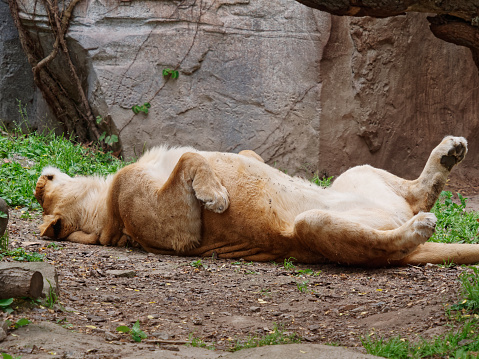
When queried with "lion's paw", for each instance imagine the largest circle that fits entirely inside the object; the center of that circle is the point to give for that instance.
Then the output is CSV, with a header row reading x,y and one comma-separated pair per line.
x,y
425,224
455,149
215,199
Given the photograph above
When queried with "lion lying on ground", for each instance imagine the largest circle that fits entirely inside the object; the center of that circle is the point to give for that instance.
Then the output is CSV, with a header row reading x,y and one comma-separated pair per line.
x,y
181,201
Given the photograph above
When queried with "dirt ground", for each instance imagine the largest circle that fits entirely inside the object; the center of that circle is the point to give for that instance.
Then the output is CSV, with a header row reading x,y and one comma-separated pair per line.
x,y
220,301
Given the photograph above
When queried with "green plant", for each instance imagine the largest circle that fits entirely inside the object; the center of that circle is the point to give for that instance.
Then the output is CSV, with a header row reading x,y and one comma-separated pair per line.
x,y
109,139
198,264
136,333
303,286
4,240
52,297
172,73
307,271
5,305
275,337
20,255
469,291
8,356
288,264
322,181
462,343
199,343
143,108
454,223
54,245
21,323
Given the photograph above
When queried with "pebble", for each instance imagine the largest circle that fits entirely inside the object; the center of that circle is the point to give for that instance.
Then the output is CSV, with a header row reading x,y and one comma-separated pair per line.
x,y
255,309
110,337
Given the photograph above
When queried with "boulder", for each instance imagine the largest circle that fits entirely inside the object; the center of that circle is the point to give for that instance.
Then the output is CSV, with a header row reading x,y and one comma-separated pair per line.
x,y
390,92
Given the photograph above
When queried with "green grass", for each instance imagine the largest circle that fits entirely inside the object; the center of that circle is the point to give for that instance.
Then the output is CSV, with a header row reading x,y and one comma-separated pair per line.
x,y
276,337
469,291
199,343
37,150
322,181
454,224
462,341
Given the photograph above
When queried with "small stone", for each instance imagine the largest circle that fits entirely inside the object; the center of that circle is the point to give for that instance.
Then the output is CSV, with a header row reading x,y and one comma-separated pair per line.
x,y
255,309
161,335
197,321
173,348
110,337
121,273
314,327
3,335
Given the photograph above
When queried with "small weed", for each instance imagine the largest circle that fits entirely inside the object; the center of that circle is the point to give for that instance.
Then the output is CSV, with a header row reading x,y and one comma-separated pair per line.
x,y
3,215
265,292
25,214
20,255
8,356
199,343
275,337
172,73
52,297
198,264
136,333
307,271
5,305
21,323
4,240
109,139
54,245
288,264
303,286
143,108
323,181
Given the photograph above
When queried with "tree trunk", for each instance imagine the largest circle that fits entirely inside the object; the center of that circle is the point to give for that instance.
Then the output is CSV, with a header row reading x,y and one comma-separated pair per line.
x,y
17,282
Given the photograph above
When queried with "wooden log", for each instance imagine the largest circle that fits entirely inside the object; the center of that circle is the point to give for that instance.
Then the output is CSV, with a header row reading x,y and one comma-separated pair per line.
x,y
17,282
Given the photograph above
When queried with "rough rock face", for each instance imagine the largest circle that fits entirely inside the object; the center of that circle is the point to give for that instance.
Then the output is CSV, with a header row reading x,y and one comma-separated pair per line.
x,y
390,92
16,81
248,73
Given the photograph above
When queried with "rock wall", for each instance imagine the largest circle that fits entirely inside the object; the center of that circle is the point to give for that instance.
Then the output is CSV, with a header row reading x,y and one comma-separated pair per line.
x,y
390,92
248,73
16,82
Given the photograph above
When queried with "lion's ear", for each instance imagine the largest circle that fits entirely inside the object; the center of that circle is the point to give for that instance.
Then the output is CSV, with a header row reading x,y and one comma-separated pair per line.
x,y
51,226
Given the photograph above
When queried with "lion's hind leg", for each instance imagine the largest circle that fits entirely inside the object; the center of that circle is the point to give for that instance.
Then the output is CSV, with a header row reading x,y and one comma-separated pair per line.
x,y
341,240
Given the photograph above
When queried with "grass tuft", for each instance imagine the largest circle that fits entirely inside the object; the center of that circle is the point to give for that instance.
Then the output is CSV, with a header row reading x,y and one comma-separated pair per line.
x,y
275,337
454,223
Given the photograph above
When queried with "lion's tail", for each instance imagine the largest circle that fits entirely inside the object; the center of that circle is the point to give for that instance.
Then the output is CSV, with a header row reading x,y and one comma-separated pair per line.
x,y
443,253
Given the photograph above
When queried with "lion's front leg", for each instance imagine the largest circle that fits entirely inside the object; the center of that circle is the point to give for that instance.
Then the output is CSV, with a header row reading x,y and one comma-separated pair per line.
x,y
424,192
340,240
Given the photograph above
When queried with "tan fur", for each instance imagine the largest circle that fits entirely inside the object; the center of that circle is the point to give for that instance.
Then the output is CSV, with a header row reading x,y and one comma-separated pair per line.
x,y
186,202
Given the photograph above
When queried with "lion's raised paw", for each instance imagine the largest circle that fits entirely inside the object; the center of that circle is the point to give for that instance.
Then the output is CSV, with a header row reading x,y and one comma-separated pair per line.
x,y
455,149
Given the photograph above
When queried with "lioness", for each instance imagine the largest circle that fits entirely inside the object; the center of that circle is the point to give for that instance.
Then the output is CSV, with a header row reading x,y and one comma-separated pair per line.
x,y
187,202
